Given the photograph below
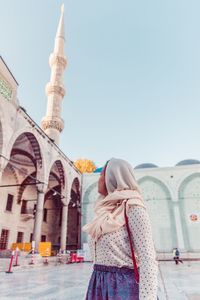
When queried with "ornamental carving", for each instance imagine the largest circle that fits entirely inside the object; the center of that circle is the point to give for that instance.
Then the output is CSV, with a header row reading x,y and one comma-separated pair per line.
x,y
55,59
55,124
55,89
5,90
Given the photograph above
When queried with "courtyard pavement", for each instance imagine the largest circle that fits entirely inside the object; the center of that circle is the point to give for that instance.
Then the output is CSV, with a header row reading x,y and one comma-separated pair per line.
x,y
70,282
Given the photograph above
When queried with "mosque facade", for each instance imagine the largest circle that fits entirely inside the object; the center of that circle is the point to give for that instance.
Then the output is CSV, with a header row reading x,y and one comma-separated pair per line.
x,y
172,197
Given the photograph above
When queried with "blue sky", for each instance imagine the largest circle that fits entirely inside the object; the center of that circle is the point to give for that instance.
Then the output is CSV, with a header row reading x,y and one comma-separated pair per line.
x,y
133,76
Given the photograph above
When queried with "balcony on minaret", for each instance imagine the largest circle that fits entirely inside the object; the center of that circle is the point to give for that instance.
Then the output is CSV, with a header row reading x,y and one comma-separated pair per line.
x,y
52,123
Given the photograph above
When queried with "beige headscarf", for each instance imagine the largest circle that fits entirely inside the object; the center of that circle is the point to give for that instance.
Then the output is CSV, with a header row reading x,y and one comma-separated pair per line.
x,y
122,188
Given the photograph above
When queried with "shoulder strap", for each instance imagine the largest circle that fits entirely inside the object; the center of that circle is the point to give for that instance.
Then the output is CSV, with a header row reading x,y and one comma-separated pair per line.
x,y
131,245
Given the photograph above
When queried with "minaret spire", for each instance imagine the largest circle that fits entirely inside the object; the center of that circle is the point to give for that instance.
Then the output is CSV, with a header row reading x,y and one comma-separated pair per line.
x,y
52,123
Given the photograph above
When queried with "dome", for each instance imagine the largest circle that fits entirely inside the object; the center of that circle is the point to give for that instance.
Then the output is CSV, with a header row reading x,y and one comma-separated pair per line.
x,y
98,170
188,162
145,166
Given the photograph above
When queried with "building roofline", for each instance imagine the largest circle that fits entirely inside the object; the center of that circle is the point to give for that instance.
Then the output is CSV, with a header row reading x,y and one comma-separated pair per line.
x,y
9,70
50,140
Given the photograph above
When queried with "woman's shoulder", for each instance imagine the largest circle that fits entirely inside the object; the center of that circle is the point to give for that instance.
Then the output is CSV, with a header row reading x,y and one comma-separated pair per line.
x,y
136,210
136,203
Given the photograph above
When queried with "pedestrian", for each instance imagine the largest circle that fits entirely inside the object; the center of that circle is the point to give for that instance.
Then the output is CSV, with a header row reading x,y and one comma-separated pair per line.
x,y
176,254
125,266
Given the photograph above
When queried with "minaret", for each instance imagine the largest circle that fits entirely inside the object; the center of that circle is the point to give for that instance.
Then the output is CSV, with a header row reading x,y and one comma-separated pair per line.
x,y
52,123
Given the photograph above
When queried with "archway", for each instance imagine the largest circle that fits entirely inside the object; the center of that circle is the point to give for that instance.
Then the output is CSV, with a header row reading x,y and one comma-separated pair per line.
x,y
9,189
52,220
89,198
158,201
74,217
189,197
20,189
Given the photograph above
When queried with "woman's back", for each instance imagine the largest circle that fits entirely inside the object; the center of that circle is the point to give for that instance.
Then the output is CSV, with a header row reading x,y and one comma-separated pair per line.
x,y
113,249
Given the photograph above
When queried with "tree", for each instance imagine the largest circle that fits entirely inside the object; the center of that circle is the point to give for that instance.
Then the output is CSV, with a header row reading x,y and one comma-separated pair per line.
x,y
85,165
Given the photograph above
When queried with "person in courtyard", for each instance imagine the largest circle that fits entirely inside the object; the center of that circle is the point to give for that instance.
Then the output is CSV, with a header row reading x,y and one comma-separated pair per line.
x,y
176,254
125,266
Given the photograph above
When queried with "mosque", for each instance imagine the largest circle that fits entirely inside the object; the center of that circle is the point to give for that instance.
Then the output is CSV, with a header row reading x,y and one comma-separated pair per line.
x,y
40,186
44,197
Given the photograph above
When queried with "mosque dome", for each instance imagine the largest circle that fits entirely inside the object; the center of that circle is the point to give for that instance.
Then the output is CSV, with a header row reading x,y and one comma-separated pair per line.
x,y
188,162
98,170
145,166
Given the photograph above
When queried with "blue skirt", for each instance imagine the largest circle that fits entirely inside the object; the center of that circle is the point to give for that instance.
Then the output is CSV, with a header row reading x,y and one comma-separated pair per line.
x,y
112,283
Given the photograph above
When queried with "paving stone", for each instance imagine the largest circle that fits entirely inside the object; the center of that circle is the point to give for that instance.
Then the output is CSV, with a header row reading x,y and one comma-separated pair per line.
x,y
70,281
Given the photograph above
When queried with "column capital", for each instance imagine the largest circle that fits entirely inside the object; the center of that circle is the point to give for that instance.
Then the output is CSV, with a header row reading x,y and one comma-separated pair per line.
x,y
41,188
65,200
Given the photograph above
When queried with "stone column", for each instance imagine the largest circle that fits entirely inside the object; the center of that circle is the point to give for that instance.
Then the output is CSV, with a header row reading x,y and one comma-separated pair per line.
x,y
38,218
64,227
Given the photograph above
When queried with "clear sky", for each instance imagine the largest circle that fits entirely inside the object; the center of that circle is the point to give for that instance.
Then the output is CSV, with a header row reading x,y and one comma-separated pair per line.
x,y
133,75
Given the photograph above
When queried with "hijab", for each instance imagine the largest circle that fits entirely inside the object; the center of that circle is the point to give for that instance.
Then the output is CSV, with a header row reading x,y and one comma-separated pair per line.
x,y
122,191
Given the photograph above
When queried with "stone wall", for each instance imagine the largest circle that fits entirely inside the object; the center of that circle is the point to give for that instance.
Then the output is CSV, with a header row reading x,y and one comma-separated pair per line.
x,y
172,197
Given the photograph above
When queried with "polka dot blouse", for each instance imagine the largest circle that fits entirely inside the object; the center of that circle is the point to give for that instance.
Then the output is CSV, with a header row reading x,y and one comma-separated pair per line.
x,y
113,249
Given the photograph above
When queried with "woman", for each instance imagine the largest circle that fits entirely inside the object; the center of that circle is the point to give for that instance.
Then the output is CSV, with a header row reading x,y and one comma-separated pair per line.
x,y
115,275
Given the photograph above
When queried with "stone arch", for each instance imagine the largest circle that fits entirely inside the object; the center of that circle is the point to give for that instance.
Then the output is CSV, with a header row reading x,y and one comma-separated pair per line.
x,y
9,166
75,185
26,158
88,201
74,216
35,149
189,198
15,176
30,179
61,171
92,187
60,168
25,153
158,200
9,185
55,177
34,144
51,192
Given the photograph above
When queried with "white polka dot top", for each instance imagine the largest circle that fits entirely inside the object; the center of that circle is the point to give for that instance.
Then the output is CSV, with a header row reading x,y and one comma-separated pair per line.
x,y
113,249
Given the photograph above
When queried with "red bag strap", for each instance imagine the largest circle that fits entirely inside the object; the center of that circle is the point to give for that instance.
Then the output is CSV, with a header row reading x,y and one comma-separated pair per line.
x,y
131,245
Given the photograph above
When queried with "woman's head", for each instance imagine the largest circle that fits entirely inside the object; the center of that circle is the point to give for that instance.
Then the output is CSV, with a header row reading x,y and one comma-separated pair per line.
x,y
118,175
102,183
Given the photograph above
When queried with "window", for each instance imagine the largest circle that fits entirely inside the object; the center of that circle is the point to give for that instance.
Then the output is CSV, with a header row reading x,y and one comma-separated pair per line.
x,y
20,237
43,238
31,237
23,207
4,239
45,215
9,202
